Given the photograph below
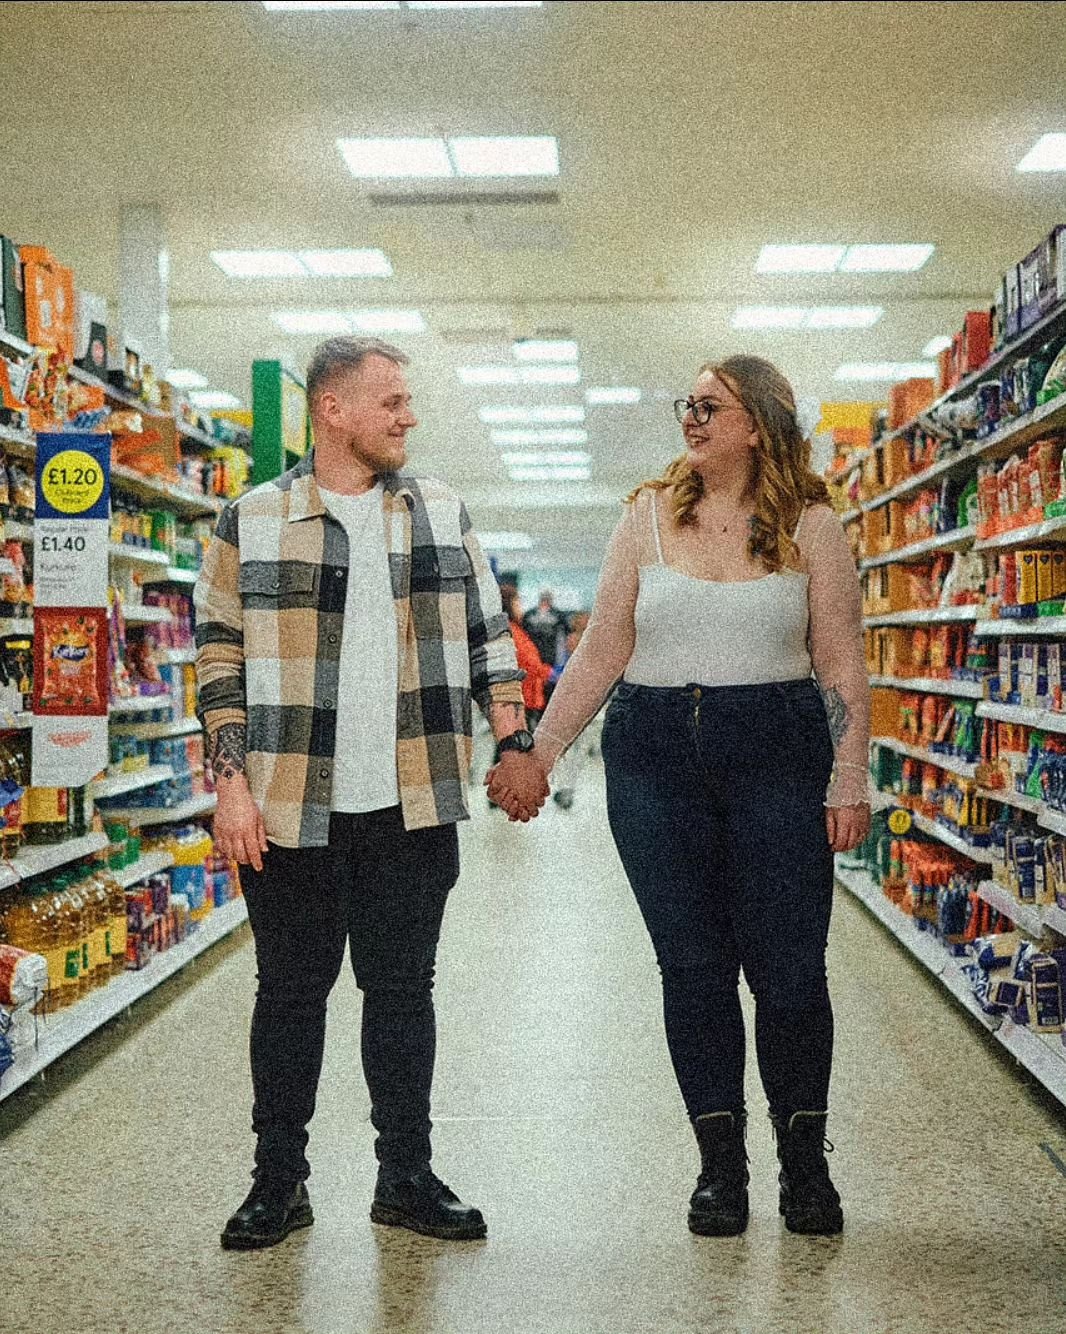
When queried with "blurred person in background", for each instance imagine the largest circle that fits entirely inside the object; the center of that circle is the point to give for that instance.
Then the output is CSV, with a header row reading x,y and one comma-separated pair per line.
x,y
546,626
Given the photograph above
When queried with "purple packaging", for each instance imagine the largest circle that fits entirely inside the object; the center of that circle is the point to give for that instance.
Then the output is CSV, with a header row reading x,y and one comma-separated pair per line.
x,y
1013,302
1029,270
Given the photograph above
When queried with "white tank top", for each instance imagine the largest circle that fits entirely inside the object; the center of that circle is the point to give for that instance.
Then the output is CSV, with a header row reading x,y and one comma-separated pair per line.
x,y
709,632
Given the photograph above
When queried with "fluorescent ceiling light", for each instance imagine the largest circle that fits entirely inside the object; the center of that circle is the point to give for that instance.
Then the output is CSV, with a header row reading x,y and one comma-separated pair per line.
x,y
387,321
552,474
214,398
769,317
936,345
382,158
550,412
311,321
799,258
545,349
259,263
505,541
886,370
885,258
549,458
475,4
519,374
300,5
844,317
186,379
506,155
604,394
368,263
1047,154
527,438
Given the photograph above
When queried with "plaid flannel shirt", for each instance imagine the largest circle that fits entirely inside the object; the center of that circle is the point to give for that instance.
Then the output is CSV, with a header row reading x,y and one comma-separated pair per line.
x,y
269,618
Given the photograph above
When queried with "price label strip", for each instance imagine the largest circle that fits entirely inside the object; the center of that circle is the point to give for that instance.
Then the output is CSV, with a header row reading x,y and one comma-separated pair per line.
x,y
70,560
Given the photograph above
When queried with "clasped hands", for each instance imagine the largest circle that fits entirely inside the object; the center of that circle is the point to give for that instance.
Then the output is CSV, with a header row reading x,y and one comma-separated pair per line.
x,y
518,784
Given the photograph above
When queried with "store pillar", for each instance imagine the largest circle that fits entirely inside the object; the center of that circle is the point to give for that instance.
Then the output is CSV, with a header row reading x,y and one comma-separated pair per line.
x,y
144,264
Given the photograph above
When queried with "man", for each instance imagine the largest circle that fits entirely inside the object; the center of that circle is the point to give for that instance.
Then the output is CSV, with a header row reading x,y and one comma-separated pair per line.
x,y
345,618
546,626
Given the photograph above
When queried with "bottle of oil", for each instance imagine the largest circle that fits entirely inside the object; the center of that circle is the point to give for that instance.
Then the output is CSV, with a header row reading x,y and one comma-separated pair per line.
x,y
116,908
99,912
46,815
72,906
35,923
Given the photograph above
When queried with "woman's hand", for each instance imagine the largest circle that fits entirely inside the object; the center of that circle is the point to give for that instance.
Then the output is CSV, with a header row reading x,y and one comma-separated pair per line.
x,y
847,826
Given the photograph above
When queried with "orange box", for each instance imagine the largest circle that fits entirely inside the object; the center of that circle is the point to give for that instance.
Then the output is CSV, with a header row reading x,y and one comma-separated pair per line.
x,y
907,398
884,712
896,465
976,345
49,292
946,375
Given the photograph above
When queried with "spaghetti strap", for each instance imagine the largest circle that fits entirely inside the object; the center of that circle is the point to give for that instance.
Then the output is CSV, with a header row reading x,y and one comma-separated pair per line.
x,y
655,526
799,524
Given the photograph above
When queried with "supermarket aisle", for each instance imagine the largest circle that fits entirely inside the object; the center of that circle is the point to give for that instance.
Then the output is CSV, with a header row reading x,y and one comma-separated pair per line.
x,y
556,1112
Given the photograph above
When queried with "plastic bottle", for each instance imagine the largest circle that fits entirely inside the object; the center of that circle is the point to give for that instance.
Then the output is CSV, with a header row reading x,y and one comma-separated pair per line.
x,y
116,910
72,906
98,904
33,922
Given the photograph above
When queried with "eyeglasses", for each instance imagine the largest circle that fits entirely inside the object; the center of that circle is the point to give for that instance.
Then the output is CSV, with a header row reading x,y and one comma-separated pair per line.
x,y
702,409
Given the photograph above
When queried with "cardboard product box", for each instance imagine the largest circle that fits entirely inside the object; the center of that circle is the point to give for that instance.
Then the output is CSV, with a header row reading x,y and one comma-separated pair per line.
x,y
12,290
90,333
896,462
49,290
1045,577
976,341
124,358
1013,303
1055,291
999,314
907,398
884,711
1029,285
945,372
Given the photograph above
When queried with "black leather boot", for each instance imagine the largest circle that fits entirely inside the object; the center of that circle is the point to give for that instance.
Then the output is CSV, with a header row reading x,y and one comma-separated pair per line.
x,y
719,1204
272,1210
424,1204
809,1200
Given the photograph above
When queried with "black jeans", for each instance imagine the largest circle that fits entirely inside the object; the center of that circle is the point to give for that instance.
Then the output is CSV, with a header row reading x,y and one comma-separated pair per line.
x,y
715,799
382,889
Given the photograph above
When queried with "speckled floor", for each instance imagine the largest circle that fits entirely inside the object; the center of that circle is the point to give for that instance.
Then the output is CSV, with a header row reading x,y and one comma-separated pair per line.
x,y
556,1112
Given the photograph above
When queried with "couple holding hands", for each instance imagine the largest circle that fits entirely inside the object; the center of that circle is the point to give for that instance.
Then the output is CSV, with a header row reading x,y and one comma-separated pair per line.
x,y
727,630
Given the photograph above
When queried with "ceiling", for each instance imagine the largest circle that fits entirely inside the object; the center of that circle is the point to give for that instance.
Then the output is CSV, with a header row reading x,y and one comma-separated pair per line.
x,y
690,135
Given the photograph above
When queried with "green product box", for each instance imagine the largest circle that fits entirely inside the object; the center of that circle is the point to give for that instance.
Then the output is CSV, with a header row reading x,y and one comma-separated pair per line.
x,y
12,297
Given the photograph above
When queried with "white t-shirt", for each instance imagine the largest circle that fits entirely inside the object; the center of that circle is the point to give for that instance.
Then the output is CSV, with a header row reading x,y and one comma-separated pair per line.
x,y
364,772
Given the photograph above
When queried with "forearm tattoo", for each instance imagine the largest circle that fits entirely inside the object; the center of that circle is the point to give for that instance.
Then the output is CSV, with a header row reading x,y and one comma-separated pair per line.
x,y
837,712
227,751
509,716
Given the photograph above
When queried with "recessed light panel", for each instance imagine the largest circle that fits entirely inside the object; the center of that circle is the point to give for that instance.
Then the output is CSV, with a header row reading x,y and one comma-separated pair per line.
x,y
545,349
387,321
214,398
1047,154
799,258
885,258
517,416
936,345
603,395
769,317
550,474
321,322
506,155
182,379
549,458
308,6
369,263
886,371
380,159
843,317
519,374
259,263
548,437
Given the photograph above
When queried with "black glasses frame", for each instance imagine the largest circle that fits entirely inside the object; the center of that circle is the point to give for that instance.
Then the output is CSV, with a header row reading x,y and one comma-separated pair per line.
x,y
702,409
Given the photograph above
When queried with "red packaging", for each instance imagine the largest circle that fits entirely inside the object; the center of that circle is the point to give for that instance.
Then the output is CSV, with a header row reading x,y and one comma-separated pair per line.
x,y
70,661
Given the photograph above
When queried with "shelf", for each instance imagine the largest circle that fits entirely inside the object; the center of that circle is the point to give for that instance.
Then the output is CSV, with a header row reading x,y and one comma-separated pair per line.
x,y
922,944
120,783
1028,916
1042,1054
176,497
130,555
1039,625
171,575
175,656
953,541
1015,434
139,704
16,625
36,861
196,436
942,834
140,816
932,686
1043,719
849,516
157,731
922,616
141,869
1035,532
1053,820
62,1031
19,443
14,531
147,615
949,763
8,339
15,722
1016,800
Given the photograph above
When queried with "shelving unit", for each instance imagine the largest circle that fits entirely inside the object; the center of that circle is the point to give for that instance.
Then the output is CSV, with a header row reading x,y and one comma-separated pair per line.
x,y
38,861
173,574
955,540
141,869
176,656
121,783
1034,532
1028,916
1040,625
17,625
141,816
1044,719
944,835
950,763
139,704
147,616
62,1031
156,731
130,555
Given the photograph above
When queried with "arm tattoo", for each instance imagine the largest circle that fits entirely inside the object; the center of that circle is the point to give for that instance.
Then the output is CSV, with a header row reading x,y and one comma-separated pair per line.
x,y
502,714
838,714
227,750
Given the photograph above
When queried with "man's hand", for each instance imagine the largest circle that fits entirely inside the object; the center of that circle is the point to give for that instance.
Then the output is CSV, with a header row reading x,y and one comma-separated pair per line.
x,y
518,785
239,831
847,826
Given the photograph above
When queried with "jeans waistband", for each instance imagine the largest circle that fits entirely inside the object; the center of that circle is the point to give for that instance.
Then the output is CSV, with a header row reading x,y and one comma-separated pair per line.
x,y
731,694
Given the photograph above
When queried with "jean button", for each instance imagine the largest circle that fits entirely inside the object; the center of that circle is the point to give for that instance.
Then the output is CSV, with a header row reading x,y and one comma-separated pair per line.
x,y
697,693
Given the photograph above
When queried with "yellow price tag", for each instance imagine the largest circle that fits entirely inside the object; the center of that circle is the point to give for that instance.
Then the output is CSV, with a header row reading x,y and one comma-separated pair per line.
x,y
900,821
72,482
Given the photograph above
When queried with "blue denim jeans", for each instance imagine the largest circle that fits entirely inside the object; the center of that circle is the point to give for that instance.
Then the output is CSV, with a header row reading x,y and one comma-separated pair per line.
x,y
715,798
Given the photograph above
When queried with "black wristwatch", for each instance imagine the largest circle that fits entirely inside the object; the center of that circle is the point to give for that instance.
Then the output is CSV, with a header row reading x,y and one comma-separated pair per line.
x,y
522,741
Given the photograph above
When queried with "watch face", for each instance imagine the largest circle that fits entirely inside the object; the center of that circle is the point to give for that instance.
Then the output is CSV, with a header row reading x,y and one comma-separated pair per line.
x,y
521,741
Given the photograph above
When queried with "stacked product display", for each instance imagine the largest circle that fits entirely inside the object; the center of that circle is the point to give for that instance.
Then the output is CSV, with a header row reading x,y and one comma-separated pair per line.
x,y
958,514
109,887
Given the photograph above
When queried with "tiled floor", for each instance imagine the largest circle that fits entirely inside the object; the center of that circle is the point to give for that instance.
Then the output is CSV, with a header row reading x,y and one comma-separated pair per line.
x,y
556,1112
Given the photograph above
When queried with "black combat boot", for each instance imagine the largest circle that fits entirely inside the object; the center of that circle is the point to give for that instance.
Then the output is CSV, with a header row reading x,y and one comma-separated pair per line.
x,y
719,1204
273,1209
423,1203
809,1200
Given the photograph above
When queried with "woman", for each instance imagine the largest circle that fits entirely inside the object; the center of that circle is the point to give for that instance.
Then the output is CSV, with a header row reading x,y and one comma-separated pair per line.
x,y
529,659
733,773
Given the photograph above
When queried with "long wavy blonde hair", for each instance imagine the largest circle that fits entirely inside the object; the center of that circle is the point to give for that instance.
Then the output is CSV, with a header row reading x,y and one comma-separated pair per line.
x,y
784,481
